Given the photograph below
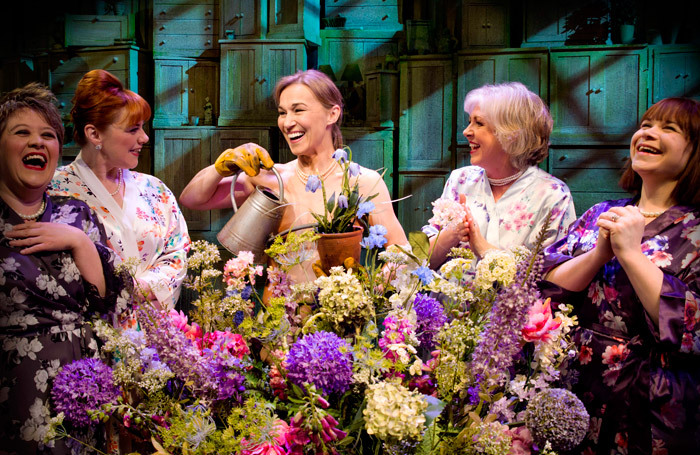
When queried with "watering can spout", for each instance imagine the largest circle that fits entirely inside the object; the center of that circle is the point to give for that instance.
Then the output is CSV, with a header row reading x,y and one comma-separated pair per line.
x,y
255,221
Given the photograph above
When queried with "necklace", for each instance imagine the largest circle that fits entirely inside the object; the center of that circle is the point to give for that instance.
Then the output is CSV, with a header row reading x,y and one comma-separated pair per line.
x,y
119,183
505,180
36,215
304,177
646,214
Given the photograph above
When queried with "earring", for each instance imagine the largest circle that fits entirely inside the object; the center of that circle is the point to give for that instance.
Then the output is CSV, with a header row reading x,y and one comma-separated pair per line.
x,y
98,146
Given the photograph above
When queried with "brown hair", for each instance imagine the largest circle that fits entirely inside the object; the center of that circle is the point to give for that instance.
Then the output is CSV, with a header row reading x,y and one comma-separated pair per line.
x,y
38,98
98,100
684,112
323,89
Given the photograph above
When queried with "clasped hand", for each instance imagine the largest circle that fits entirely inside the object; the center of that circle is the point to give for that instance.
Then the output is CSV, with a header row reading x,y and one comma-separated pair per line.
x,y
621,231
247,157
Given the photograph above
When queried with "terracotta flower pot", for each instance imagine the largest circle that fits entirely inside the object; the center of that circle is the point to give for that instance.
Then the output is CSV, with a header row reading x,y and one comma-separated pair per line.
x,y
333,249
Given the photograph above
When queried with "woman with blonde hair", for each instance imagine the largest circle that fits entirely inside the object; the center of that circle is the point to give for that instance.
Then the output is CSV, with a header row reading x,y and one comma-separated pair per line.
x,y
140,214
310,109
507,198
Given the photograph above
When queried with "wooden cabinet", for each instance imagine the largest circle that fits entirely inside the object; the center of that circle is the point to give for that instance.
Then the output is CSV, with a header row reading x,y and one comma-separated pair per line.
x,y
367,15
485,24
676,72
598,94
477,68
295,19
241,19
425,113
182,88
382,92
249,71
187,28
590,173
178,155
66,68
363,47
422,188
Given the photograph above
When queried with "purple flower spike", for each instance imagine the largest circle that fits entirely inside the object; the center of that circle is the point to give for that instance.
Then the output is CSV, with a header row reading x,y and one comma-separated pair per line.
x,y
322,359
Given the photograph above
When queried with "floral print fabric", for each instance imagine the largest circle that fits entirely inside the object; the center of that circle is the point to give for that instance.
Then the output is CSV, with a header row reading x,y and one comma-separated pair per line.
x,y
518,216
44,306
640,383
149,226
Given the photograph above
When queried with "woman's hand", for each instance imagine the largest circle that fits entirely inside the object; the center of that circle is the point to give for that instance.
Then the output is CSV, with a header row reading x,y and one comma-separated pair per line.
x,y
624,227
36,237
477,241
247,157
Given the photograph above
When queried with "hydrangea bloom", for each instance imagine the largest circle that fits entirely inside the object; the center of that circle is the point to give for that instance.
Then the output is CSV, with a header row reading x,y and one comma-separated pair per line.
x,y
430,317
343,300
557,416
496,265
322,359
81,386
447,213
394,412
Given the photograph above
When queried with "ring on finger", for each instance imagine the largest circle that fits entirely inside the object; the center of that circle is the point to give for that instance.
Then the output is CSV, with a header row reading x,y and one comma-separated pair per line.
x,y
614,217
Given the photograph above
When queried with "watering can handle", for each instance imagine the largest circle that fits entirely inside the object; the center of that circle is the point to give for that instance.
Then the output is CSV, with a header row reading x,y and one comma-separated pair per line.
x,y
233,184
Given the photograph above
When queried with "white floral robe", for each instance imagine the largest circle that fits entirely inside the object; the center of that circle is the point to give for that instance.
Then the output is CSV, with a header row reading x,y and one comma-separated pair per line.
x,y
44,306
518,216
149,226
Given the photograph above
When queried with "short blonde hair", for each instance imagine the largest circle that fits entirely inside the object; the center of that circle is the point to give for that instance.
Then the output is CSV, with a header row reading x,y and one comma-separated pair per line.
x,y
520,120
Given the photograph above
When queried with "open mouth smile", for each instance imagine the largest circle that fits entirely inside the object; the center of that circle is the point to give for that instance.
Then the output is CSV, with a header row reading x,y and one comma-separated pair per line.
x,y
295,136
35,161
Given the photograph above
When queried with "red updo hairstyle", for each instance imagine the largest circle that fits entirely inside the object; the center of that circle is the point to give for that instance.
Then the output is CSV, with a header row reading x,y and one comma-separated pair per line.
x,y
98,101
685,112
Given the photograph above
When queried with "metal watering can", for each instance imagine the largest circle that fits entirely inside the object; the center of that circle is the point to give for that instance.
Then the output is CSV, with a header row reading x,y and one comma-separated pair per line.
x,y
258,219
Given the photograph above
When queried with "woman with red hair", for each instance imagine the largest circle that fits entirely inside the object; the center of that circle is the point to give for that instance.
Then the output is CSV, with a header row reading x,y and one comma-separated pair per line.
x,y
140,214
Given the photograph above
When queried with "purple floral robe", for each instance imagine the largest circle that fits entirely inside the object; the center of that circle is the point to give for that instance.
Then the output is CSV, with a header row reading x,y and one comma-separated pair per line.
x,y
639,382
44,306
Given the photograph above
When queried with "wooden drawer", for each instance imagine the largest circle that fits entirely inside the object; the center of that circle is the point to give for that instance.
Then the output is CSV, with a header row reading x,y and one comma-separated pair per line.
x,y
167,43
82,30
588,158
170,11
189,27
83,62
367,16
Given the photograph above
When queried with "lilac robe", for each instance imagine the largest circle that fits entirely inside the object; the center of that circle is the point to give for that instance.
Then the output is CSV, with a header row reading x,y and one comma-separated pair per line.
x,y
44,307
640,383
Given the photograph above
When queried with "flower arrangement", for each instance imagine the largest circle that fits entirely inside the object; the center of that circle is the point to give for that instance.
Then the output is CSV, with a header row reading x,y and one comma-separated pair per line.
x,y
342,211
389,357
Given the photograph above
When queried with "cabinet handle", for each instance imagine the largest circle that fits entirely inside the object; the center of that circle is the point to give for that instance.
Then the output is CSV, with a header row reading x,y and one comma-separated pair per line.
x,y
598,90
257,78
62,84
208,12
386,16
416,209
192,90
163,12
161,43
686,75
678,76
62,105
263,80
589,91
115,59
562,158
208,27
162,27
404,112
208,42
61,62
488,25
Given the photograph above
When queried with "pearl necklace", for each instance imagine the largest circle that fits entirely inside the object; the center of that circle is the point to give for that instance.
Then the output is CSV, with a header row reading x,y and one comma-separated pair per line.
x,y
506,180
119,183
36,215
304,177
646,214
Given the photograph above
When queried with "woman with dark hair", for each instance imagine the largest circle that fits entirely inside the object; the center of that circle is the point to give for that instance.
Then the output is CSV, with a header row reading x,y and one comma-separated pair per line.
x,y
310,108
631,267
140,214
55,271
508,199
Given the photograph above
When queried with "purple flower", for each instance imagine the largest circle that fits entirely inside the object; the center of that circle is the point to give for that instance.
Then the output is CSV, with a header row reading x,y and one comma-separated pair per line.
x,y
425,275
557,416
430,317
322,359
313,183
340,156
354,169
364,208
82,386
226,369
376,237
343,201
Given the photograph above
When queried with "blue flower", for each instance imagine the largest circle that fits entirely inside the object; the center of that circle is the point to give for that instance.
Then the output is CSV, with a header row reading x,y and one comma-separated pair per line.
x,y
354,169
340,156
425,275
313,183
343,201
364,208
323,359
376,238
430,317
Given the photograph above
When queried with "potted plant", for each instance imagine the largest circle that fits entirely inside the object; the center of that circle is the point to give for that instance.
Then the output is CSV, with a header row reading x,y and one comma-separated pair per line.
x,y
623,17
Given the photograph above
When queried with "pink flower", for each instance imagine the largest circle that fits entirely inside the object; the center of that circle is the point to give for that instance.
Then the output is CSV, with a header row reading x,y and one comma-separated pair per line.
x,y
521,443
269,448
234,343
540,323
179,319
615,354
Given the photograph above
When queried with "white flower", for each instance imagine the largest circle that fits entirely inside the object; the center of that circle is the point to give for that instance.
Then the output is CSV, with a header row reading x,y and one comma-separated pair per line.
x,y
69,271
36,427
28,348
50,285
40,379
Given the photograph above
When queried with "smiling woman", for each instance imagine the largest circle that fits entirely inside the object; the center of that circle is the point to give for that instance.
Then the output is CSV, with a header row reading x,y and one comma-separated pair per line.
x,y
140,214
310,110
55,271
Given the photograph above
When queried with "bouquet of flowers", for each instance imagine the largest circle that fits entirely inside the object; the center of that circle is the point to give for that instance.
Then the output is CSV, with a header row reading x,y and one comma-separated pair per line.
x,y
341,211
389,357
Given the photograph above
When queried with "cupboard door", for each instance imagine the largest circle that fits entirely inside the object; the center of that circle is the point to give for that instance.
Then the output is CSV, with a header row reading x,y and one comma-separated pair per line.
x,y
171,93
425,122
240,19
676,72
203,85
295,19
279,59
238,80
598,96
179,154
485,25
